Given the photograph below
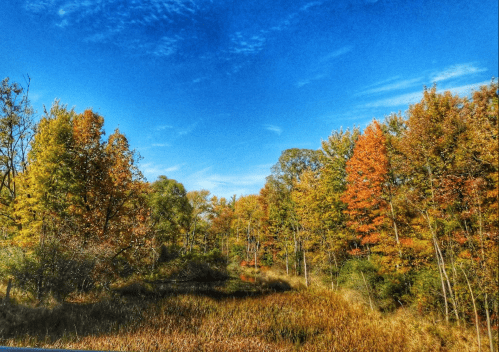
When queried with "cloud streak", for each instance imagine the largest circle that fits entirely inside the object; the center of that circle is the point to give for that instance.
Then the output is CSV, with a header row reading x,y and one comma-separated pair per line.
x,y
225,185
152,171
246,45
393,86
337,53
323,64
102,21
414,97
456,71
273,128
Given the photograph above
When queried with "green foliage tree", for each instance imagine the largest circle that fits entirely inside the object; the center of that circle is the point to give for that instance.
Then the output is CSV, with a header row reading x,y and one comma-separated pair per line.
x,y
170,210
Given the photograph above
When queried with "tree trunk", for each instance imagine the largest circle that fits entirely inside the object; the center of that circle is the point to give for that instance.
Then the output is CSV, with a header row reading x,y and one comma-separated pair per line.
x,y
453,300
489,329
368,290
296,252
7,295
446,304
287,260
474,309
331,269
248,243
437,247
305,267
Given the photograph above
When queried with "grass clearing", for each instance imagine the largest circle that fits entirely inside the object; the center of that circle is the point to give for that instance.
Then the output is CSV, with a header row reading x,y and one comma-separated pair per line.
x,y
230,316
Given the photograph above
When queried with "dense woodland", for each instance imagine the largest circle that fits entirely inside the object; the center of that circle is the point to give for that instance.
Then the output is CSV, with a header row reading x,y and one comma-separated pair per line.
x,y
405,211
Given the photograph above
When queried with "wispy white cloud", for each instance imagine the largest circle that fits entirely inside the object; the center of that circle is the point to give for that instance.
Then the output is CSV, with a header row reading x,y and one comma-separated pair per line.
x,y
165,47
39,6
254,42
456,71
403,84
339,52
163,127
118,19
63,23
152,171
323,66
247,45
186,130
399,100
173,168
200,79
102,36
382,82
414,97
449,74
310,4
161,145
465,90
227,185
306,81
273,128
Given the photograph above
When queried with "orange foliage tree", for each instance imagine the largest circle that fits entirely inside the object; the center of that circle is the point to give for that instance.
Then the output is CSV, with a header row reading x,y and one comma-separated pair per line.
x,y
367,173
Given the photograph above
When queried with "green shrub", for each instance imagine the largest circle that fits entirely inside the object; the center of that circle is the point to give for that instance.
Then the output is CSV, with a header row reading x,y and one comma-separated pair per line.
x,y
387,291
427,291
267,258
237,252
194,266
9,257
52,270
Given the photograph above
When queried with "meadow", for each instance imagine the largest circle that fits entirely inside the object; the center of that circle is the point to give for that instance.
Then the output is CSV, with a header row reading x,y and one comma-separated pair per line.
x,y
249,312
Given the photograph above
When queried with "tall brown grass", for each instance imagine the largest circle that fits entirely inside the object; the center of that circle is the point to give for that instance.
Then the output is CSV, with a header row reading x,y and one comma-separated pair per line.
x,y
305,320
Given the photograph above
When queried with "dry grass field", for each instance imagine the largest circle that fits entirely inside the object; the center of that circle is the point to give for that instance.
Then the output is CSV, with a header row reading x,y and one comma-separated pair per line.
x,y
234,316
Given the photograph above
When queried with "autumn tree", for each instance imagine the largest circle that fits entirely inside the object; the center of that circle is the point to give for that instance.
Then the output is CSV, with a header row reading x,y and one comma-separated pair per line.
x,y
337,150
201,208
16,131
309,203
367,176
221,217
279,217
430,144
81,195
285,173
248,218
474,212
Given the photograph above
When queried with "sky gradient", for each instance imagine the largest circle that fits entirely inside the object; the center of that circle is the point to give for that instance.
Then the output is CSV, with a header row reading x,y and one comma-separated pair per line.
x,y
211,92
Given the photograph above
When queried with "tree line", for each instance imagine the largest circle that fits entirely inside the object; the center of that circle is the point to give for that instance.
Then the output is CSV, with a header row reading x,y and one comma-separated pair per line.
x,y
406,209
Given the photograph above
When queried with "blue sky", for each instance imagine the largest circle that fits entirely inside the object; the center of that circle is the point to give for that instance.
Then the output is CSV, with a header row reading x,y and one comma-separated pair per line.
x,y
211,92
